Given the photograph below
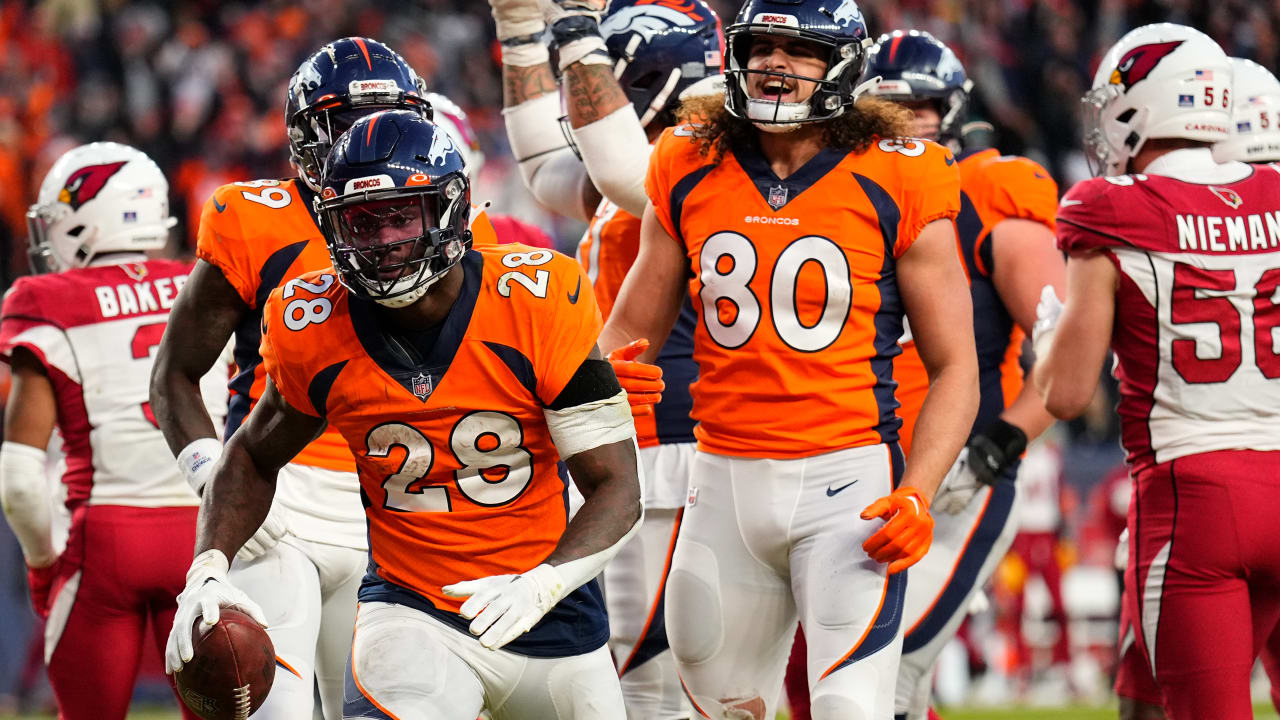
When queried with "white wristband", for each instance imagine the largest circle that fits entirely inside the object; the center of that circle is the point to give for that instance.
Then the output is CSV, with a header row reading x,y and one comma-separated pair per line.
x,y
197,460
525,55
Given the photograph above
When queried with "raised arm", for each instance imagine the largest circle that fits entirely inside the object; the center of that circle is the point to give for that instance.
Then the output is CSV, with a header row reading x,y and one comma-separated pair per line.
x,y
531,107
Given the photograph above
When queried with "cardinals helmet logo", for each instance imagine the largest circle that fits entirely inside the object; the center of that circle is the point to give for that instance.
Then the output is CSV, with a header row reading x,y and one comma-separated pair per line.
x,y
1138,63
85,183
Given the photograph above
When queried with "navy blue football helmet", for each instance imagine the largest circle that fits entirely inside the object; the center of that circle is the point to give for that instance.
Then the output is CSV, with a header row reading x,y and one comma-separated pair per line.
x,y
836,27
659,49
915,66
341,82
395,206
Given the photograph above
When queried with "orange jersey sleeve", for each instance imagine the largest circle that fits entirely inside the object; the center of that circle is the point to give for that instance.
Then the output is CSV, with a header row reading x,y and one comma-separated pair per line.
x,y
795,288
260,234
482,230
452,446
1002,187
607,251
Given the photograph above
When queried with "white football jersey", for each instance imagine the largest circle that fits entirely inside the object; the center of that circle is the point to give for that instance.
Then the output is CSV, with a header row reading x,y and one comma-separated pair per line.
x,y
96,331
1197,248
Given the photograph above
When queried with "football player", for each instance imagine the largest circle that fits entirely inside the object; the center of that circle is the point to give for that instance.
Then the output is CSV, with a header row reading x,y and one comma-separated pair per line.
x,y
1006,224
1173,265
622,76
254,236
458,378
805,224
78,337
1255,138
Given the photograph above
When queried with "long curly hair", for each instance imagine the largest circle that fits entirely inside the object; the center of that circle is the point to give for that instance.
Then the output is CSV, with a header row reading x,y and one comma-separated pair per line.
x,y
869,119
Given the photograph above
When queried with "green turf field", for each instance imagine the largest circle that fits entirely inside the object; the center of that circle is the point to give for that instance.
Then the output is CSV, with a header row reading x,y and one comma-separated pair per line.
x,y
1261,712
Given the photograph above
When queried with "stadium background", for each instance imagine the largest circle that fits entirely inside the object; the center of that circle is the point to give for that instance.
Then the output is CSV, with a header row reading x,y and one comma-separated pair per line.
x,y
199,86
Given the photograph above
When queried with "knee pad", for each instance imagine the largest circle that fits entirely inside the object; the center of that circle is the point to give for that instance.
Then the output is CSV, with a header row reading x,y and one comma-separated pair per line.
x,y
695,624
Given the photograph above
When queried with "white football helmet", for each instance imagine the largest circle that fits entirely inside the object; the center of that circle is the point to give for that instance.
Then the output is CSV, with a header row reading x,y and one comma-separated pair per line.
x,y
455,122
1160,81
1255,118
98,198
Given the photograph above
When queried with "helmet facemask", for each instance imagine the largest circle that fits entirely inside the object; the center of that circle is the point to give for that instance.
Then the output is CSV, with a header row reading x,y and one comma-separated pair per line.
x,y
832,94
392,245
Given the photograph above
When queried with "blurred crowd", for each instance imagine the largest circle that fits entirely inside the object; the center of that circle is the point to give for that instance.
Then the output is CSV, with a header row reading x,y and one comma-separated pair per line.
x,y
199,85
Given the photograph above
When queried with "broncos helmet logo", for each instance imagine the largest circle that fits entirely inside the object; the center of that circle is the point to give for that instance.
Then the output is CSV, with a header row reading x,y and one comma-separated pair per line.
x,y
1138,63
441,146
648,19
85,183
847,14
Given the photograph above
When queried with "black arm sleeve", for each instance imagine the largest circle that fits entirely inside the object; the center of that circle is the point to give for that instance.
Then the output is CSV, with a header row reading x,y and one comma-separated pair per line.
x,y
593,381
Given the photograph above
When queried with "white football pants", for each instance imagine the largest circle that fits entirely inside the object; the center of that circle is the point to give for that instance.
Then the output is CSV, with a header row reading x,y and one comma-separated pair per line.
x,y
764,542
407,665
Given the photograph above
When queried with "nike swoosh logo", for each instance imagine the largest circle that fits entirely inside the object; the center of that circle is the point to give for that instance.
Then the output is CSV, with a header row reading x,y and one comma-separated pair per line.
x,y
1042,176
832,492
219,205
1066,203
573,296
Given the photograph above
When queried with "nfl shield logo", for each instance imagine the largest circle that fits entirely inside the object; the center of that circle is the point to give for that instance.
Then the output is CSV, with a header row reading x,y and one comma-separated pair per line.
x,y
777,196
1186,101
1244,126
421,386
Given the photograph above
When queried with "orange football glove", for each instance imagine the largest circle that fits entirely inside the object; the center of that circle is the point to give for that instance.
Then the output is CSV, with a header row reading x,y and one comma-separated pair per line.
x,y
907,535
642,381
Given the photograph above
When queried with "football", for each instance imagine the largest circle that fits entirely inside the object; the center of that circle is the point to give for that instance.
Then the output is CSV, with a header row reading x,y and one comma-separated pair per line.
x,y
231,671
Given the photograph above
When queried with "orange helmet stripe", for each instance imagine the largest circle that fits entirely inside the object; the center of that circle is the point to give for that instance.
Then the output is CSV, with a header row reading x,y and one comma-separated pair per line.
x,y
368,60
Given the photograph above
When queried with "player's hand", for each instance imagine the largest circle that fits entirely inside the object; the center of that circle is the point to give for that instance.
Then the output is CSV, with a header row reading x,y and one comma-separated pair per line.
x,y
268,536
642,381
206,592
501,608
517,18
907,535
40,580
1048,312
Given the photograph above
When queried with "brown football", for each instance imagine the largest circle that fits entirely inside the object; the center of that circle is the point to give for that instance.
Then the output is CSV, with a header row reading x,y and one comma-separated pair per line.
x,y
232,669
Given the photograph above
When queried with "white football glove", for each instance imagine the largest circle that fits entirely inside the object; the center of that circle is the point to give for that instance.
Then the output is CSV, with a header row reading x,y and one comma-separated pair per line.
x,y
274,527
503,607
958,487
1048,312
206,592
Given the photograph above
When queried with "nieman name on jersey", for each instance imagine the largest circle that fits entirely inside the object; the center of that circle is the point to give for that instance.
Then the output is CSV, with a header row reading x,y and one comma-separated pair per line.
x,y
1258,231
139,297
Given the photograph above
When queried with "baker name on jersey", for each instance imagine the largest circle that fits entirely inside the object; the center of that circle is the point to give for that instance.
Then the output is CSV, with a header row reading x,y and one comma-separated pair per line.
x,y
139,297
1257,231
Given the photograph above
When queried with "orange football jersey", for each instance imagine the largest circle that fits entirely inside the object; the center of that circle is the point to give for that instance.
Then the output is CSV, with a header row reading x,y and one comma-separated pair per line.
x,y
260,234
456,463
993,188
607,251
795,286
